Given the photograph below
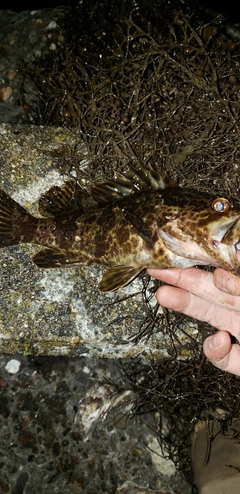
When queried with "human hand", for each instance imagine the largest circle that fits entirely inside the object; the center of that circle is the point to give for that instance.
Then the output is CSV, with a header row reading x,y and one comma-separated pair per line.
x,y
211,297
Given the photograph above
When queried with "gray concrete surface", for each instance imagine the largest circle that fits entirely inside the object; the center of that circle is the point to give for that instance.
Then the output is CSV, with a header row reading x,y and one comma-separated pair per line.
x,y
55,436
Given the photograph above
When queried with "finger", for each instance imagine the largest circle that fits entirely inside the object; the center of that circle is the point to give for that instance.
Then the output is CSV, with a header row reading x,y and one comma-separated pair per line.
x,y
220,351
226,282
190,279
204,310
198,282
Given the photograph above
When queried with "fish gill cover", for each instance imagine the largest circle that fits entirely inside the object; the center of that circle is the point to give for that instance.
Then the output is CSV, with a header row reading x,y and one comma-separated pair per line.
x,y
153,82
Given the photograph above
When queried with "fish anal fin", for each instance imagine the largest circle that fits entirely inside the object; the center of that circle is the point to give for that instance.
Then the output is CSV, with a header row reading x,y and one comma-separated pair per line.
x,y
70,198
117,277
53,258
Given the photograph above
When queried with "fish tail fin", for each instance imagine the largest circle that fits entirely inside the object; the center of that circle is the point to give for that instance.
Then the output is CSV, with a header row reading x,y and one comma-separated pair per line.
x,y
12,216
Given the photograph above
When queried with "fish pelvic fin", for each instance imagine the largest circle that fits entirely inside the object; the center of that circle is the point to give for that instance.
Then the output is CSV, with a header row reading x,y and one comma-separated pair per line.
x,y
12,219
117,277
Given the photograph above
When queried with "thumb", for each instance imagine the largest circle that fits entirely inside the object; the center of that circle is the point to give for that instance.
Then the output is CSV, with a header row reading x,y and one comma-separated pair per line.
x,y
219,349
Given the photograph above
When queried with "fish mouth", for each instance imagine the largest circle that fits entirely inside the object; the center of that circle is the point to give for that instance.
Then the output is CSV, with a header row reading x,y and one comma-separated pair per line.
x,y
231,240
228,232
232,234
220,247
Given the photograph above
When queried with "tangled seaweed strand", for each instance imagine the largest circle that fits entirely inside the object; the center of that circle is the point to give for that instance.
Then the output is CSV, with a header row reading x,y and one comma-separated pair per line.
x,y
157,85
179,393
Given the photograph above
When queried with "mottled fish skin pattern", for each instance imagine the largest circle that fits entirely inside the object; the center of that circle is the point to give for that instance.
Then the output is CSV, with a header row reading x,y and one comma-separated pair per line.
x,y
158,228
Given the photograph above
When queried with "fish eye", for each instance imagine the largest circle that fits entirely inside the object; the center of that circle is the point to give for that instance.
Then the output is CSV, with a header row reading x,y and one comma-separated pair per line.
x,y
221,205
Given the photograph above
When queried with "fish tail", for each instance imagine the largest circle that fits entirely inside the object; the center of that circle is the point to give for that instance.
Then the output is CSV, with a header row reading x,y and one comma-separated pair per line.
x,y
12,218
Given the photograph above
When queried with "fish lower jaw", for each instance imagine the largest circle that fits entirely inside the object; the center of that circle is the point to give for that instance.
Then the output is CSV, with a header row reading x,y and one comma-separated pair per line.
x,y
182,253
227,257
237,254
209,253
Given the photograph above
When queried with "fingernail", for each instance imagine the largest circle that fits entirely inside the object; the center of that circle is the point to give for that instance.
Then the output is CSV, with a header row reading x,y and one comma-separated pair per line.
x,y
227,284
215,341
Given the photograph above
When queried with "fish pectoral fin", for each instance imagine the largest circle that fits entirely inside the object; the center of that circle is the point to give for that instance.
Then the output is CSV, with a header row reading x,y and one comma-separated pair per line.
x,y
117,277
139,227
53,258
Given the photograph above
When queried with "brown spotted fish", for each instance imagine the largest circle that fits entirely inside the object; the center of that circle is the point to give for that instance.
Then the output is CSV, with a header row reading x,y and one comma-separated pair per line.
x,y
130,223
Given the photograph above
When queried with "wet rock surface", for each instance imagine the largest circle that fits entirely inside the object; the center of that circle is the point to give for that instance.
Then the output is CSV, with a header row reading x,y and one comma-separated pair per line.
x,y
43,447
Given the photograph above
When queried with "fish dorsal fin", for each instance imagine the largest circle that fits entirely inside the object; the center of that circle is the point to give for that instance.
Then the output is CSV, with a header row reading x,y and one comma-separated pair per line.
x,y
148,177
134,180
117,277
70,198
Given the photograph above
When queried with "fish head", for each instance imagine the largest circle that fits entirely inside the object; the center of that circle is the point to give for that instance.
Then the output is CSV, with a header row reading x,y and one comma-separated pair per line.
x,y
201,229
